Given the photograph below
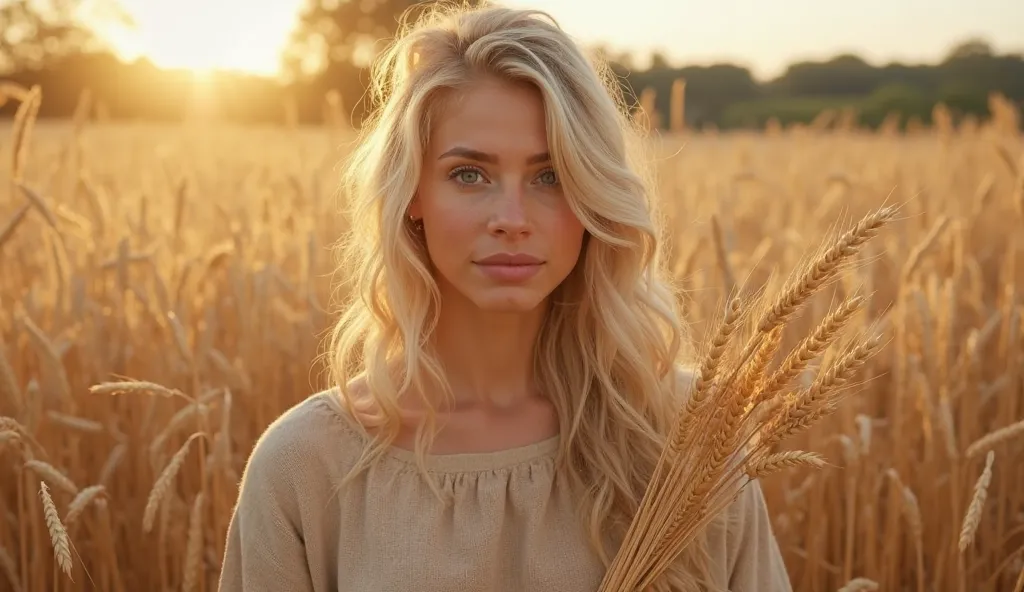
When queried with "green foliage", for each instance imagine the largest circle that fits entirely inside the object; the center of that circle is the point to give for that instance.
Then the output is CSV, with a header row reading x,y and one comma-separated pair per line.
x,y
904,99
708,89
728,97
841,76
963,98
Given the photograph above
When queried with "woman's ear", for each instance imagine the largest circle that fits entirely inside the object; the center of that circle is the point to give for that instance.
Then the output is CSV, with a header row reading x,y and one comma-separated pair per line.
x,y
414,211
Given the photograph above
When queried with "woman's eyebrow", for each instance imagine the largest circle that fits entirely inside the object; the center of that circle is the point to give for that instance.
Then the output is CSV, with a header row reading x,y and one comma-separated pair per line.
x,y
477,155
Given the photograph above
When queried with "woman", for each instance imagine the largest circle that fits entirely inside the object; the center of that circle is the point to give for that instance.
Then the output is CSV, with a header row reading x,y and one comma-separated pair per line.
x,y
509,361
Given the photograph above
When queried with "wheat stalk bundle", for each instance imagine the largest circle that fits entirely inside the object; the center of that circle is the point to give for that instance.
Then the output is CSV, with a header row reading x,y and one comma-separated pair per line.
x,y
737,414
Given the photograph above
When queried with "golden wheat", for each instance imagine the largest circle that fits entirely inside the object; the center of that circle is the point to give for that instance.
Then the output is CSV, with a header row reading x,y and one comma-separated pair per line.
x,y
163,483
140,387
150,268
53,475
700,471
58,536
194,549
973,517
994,439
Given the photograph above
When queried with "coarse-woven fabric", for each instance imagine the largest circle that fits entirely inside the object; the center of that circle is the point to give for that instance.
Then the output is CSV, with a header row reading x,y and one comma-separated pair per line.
x,y
513,526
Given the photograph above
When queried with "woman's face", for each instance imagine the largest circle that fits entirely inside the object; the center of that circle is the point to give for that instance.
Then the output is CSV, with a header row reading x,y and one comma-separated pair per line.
x,y
498,228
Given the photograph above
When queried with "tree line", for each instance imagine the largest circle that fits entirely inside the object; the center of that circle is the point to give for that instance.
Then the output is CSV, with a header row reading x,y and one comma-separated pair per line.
x,y
325,76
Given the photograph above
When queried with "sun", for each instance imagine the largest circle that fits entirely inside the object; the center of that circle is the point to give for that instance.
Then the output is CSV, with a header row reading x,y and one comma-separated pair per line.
x,y
200,35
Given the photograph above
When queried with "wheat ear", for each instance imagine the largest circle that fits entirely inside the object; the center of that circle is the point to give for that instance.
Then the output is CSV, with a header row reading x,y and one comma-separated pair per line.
x,y
180,418
754,377
194,551
813,346
973,516
709,367
11,424
58,535
139,387
82,501
9,436
818,400
784,460
80,424
48,471
825,268
816,274
994,438
163,483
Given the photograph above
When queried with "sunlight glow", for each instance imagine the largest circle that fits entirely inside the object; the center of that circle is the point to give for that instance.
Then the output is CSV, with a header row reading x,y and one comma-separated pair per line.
x,y
249,35
241,35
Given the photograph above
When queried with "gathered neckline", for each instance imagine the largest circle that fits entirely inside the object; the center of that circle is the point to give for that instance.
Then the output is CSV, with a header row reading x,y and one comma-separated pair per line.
x,y
460,462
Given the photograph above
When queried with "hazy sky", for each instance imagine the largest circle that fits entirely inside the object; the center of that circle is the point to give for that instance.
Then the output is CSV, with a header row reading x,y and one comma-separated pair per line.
x,y
764,35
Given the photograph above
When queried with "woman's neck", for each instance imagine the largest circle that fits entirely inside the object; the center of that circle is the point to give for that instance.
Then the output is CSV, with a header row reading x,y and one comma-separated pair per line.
x,y
487,356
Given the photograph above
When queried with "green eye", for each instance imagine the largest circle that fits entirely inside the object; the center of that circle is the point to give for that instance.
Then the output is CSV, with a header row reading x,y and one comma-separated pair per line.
x,y
470,179
459,175
549,178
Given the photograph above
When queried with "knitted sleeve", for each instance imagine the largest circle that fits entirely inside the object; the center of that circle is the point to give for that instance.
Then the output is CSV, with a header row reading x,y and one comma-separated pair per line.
x,y
755,559
264,549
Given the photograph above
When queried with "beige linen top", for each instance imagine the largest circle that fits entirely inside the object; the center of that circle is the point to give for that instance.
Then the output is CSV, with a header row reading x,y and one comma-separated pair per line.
x,y
513,525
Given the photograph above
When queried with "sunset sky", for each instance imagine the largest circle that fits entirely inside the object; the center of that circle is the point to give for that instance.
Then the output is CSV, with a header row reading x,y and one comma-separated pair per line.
x,y
765,36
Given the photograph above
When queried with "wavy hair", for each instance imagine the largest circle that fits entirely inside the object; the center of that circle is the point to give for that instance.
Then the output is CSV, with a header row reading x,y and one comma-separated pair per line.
x,y
608,354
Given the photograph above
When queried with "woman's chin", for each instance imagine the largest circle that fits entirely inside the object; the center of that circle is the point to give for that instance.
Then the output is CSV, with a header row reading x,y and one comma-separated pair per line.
x,y
508,299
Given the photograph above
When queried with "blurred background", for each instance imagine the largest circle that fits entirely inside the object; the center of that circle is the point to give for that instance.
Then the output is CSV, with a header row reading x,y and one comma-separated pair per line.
x,y
169,201
741,64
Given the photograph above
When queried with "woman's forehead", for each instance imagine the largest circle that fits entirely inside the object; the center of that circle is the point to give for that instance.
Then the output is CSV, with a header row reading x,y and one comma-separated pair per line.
x,y
492,118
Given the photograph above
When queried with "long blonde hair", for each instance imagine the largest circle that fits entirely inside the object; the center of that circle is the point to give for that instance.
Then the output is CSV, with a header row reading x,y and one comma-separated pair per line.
x,y
612,342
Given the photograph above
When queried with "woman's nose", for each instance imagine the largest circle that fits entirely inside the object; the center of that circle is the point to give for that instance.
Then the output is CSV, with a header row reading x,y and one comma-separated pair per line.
x,y
510,216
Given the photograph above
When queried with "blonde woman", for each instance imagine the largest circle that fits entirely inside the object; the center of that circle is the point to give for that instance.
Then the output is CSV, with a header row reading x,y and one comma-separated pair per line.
x,y
511,356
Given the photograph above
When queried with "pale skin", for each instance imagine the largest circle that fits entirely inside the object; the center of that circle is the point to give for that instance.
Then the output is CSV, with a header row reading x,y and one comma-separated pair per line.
x,y
488,187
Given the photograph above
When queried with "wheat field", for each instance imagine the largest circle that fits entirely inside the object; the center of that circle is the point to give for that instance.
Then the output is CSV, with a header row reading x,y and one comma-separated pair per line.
x,y
166,290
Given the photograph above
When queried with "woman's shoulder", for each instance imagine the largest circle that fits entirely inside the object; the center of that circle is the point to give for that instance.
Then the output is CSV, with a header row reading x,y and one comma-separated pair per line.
x,y
303,438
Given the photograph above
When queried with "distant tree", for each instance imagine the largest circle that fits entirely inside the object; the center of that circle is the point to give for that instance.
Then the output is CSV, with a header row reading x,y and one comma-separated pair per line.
x,y
330,32
844,75
709,89
904,99
970,48
984,73
964,98
659,61
34,33
922,76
